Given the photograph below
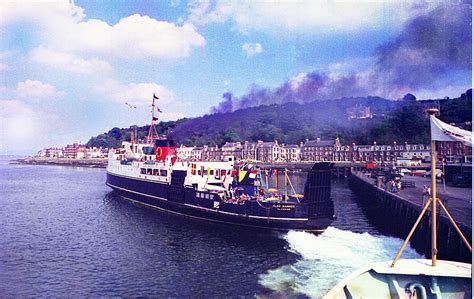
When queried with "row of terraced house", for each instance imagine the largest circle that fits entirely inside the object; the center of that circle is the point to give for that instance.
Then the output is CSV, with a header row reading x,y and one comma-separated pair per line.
x,y
309,150
74,151
327,150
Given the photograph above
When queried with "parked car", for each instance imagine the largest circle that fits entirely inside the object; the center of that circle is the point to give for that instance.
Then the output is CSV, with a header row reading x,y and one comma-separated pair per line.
x,y
418,172
427,174
405,170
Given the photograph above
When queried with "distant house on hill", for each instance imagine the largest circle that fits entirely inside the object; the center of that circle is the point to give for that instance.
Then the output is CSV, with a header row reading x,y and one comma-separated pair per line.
x,y
359,112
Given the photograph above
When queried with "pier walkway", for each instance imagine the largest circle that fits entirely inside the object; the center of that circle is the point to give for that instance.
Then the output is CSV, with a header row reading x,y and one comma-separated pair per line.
x,y
458,201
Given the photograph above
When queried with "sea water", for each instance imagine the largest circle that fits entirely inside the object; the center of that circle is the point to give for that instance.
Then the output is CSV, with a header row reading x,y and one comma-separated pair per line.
x,y
63,233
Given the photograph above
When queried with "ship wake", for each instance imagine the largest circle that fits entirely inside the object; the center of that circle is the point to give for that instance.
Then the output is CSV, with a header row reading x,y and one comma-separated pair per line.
x,y
327,258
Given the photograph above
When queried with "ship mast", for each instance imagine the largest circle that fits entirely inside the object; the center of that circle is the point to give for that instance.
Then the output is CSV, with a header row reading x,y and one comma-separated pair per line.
x,y
152,133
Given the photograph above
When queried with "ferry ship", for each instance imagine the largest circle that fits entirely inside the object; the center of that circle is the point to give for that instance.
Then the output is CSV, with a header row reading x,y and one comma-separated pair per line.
x,y
153,174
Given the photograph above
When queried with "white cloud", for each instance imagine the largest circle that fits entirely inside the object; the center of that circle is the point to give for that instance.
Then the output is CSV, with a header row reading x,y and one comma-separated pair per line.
x,y
33,89
62,28
134,36
43,14
139,94
3,67
304,16
24,128
91,36
153,38
252,49
68,62
201,12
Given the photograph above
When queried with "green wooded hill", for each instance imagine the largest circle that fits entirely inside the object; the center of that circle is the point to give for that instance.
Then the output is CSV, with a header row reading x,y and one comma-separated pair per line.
x,y
291,123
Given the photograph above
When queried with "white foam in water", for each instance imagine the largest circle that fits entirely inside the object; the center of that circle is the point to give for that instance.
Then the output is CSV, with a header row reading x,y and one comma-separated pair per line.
x,y
328,258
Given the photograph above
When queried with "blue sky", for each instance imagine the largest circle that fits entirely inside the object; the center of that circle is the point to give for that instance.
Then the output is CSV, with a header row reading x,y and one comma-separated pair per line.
x,y
67,68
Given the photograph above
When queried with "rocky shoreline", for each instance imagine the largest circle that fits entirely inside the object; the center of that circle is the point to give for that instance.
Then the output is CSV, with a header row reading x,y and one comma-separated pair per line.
x,y
92,163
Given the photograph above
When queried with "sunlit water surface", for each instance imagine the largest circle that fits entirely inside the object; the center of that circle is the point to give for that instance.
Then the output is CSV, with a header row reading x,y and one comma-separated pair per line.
x,y
63,233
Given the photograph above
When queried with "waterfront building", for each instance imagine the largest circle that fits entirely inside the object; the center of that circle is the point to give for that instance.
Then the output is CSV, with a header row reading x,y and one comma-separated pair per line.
x,y
96,153
249,151
190,153
212,153
196,153
416,151
184,152
453,152
318,150
290,153
55,152
75,151
232,149
268,151
346,153
41,153
330,150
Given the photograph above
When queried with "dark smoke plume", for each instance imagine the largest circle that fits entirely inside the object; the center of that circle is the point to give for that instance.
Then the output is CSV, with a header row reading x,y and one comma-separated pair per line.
x,y
431,46
226,105
429,49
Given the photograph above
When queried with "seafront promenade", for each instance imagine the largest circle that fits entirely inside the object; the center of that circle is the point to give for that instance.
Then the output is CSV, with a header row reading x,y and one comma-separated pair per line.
x,y
457,200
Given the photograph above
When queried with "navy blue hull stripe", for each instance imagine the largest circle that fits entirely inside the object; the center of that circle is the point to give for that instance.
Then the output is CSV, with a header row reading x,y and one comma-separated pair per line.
x,y
219,221
206,209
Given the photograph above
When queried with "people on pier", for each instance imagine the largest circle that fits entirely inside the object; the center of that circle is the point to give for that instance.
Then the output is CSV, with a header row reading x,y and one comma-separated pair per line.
x,y
393,186
426,194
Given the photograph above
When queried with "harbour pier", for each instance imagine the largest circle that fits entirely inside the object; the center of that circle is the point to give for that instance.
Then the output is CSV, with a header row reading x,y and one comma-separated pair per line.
x,y
395,213
91,163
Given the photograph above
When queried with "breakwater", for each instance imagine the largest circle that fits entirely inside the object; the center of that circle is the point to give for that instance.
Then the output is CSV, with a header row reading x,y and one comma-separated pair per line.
x,y
395,214
92,163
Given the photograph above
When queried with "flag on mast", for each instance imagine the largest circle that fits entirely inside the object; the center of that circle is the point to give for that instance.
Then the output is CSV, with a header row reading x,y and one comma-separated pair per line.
x,y
441,131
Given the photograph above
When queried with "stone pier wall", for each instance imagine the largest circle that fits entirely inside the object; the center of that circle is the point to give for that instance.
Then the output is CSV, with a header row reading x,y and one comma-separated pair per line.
x,y
393,214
